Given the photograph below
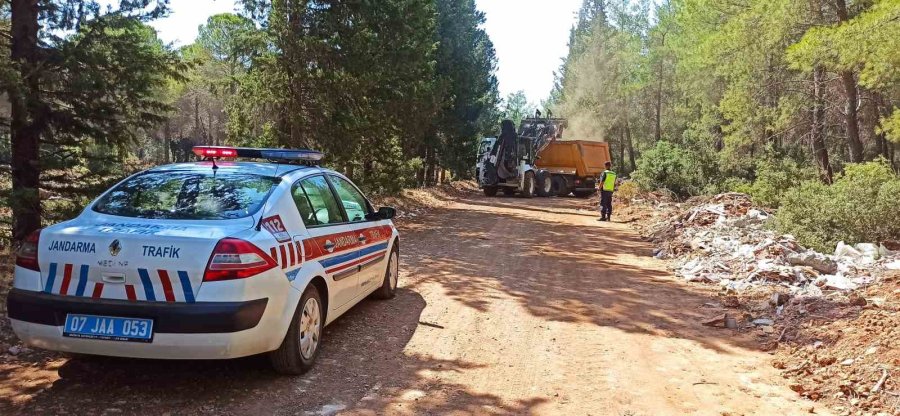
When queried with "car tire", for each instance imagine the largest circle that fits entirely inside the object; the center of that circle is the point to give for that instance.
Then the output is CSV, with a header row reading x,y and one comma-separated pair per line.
x,y
544,184
388,287
294,356
490,191
528,185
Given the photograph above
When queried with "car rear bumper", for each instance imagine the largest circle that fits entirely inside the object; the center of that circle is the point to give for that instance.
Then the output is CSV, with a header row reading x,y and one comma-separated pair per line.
x,y
181,330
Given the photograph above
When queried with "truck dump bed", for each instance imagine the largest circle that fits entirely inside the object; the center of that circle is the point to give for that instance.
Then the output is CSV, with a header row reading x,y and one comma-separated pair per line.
x,y
582,158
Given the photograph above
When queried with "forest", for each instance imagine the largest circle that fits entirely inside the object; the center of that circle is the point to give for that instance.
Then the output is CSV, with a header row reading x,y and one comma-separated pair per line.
x,y
793,102
395,92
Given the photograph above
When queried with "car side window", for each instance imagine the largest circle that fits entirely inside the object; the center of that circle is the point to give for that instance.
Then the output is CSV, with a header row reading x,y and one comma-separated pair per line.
x,y
303,205
354,203
321,207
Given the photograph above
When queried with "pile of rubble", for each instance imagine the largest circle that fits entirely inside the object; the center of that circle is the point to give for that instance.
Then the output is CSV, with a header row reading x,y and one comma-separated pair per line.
x,y
724,240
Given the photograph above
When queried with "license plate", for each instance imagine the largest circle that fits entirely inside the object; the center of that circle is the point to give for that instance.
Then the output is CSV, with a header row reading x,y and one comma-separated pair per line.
x,y
108,328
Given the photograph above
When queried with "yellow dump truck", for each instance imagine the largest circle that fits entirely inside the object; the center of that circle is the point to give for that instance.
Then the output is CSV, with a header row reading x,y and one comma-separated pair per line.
x,y
573,165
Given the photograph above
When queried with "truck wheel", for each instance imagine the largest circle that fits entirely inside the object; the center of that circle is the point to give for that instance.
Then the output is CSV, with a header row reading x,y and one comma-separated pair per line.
x,y
490,191
528,185
544,184
509,191
584,194
559,186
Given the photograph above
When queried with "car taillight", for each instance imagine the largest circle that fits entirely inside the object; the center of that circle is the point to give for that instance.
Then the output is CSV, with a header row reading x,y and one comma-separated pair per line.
x,y
236,259
27,254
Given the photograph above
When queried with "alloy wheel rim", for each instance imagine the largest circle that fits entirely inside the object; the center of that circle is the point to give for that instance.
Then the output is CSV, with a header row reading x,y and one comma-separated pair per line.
x,y
310,328
393,271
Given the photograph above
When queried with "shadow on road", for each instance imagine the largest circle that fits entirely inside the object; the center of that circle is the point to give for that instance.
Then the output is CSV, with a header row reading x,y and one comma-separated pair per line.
x,y
600,273
362,361
558,269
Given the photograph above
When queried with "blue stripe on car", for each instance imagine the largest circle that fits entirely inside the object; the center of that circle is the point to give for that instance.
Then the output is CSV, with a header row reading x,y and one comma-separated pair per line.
x,y
51,276
343,258
82,280
186,286
148,286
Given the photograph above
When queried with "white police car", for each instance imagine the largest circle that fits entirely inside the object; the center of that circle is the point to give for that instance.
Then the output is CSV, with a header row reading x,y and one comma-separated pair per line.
x,y
203,260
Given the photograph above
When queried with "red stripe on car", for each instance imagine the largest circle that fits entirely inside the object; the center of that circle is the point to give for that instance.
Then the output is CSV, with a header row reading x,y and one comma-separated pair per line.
x,y
98,290
67,277
167,285
129,290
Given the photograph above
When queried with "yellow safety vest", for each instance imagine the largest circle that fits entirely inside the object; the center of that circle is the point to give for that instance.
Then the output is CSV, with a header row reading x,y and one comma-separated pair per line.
x,y
609,182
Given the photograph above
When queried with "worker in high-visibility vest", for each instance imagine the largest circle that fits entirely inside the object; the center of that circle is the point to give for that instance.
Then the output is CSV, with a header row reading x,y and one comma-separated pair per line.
x,y
607,187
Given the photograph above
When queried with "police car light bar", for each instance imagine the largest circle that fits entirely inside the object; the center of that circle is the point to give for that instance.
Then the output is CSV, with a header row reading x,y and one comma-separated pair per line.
x,y
213,152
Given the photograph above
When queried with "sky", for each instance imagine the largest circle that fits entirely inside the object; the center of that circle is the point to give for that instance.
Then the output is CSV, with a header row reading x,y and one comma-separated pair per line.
x,y
530,36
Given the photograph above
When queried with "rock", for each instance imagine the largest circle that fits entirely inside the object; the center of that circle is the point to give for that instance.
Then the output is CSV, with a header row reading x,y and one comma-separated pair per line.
x,y
819,262
730,322
767,329
844,250
857,300
894,265
779,299
838,281
763,322
717,320
848,361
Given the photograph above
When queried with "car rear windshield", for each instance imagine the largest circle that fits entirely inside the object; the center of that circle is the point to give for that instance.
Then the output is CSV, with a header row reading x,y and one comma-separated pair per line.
x,y
187,195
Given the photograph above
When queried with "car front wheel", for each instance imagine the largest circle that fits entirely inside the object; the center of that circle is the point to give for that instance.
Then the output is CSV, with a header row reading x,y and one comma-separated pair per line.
x,y
391,275
300,347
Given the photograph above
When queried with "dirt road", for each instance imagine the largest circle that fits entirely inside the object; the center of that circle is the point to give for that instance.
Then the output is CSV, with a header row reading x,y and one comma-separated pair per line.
x,y
507,306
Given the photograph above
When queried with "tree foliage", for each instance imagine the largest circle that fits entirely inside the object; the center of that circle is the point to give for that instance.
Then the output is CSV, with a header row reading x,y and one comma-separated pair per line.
x,y
815,82
395,92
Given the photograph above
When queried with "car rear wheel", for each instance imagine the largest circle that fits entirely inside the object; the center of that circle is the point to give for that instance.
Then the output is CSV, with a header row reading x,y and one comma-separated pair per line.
x,y
388,287
490,191
300,347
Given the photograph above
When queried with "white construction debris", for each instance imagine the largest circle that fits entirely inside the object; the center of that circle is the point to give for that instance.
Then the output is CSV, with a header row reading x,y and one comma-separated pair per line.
x,y
726,241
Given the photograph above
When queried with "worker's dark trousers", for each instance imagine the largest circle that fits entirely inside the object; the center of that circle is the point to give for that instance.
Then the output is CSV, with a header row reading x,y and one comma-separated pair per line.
x,y
606,204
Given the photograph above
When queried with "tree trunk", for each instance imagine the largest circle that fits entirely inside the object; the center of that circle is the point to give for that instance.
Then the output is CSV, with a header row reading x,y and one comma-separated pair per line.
x,y
851,92
629,142
879,109
657,134
820,151
851,116
197,119
167,146
28,119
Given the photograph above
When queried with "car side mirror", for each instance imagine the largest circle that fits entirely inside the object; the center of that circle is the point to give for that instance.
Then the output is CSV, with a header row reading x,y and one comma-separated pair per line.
x,y
384,213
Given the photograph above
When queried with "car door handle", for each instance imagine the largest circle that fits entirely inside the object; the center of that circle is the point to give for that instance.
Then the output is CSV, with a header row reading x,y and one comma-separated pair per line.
x,y
362,239
329,245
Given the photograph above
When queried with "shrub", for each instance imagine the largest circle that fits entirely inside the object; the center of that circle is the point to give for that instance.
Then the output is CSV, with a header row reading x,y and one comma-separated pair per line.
x,y
670,166
627,191
774,176
861,206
